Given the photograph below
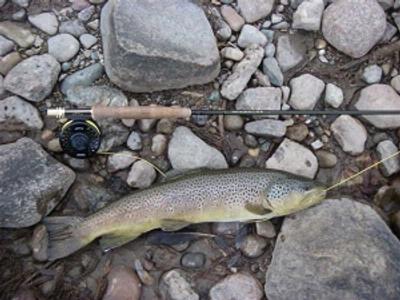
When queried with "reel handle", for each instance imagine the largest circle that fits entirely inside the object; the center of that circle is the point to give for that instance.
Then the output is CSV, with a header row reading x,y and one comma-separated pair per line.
x,y
140,112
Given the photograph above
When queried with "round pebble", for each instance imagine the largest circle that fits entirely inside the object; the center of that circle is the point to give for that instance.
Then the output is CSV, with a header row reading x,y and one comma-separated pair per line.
x,y
193,260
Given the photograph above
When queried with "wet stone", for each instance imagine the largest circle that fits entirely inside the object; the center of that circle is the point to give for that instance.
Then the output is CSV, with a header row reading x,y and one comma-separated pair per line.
x,y
193,260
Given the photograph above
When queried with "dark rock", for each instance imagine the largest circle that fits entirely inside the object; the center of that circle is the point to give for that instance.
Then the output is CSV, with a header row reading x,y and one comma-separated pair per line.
x,y
344,246
31,183
171,52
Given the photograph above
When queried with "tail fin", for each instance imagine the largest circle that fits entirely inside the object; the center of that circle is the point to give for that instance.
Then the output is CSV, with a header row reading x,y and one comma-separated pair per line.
x,y
64,238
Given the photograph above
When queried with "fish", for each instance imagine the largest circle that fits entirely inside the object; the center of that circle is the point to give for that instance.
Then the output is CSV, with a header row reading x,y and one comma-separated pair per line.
x,y
230,195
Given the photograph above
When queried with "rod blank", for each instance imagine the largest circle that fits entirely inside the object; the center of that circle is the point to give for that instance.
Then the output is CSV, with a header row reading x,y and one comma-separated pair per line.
x,y
159,112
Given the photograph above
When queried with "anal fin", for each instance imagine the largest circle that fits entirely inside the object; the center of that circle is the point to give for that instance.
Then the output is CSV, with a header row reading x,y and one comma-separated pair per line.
x,y
116,239
173,225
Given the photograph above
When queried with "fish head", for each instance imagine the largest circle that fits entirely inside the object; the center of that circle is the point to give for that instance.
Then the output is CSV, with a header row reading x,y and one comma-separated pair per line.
x,y
291,195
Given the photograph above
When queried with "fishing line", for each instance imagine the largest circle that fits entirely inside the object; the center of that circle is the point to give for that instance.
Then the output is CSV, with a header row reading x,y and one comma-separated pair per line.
x,y
361,172
136,157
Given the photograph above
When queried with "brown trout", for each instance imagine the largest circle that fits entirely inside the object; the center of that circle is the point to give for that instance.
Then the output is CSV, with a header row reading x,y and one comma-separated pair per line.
x,y
208,196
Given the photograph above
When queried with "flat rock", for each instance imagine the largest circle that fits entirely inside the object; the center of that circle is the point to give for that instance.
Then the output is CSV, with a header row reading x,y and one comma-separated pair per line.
x,y
260,98
237,286
308,15
234,85
86,96
46,22
350,134
385,149
171,52
344,246
14,31
9,61
84,77
63,47
31,183
15,110
273,71
73,27
354,27
34,77
230,15
380,97
289,51
251,35
254,10
266,128
306,91
6,46
187,151
87,40
232,53
120,160
293,158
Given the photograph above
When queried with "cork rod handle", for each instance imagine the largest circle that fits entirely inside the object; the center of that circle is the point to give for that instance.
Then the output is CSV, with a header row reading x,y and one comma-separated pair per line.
x,y
140,112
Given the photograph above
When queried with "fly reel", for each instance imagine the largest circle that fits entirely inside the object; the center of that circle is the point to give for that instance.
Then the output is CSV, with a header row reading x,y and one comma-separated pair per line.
x,y
80,137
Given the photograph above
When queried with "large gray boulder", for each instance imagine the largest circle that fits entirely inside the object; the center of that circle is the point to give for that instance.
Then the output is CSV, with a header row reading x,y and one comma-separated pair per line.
x,y
158,45
354,26
340,249
32,183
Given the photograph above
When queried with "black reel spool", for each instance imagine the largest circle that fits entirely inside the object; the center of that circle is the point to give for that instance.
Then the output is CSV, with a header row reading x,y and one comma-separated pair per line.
x,y
80,137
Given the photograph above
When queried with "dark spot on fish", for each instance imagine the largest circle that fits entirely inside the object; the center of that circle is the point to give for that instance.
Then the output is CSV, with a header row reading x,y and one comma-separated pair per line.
x,y
282,237
308,163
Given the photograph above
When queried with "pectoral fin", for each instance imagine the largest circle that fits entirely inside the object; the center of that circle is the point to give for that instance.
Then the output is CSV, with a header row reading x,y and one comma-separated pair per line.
x,y
114,240
257,209
173,225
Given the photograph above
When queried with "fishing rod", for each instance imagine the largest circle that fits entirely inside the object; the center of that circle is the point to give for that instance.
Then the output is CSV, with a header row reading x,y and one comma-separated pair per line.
x,y
80,136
